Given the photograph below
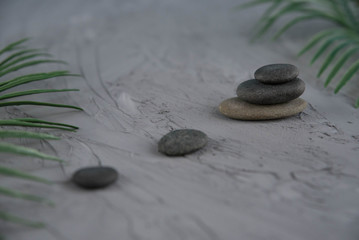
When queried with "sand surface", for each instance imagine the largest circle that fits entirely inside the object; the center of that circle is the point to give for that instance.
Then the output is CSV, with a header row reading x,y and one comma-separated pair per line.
x,y
151,66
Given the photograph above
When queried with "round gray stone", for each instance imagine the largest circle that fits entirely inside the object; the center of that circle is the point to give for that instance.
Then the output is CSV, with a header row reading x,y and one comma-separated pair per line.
x,y
276,73
255,92
181,142
95,177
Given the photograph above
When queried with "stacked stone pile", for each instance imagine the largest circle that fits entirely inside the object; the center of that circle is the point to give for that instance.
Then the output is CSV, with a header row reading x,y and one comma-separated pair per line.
x,y
273,93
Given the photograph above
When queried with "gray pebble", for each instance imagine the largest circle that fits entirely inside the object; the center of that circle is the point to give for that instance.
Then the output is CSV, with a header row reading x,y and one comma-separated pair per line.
x,y
181,142
255,92
95,177
276,73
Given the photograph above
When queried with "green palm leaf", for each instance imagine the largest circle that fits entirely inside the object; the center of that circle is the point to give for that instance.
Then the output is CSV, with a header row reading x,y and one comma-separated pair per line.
x,y
18,103
316,39
34,120
271,20
30,197
43,124
32,78
291,24
328,42
29,64
26,134
331,57
35,91
340,63
20,150
18,54
24,58
19,174
13,46
347,76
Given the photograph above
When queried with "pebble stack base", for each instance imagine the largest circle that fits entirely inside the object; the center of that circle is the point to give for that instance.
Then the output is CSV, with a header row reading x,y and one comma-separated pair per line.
x,y
237,109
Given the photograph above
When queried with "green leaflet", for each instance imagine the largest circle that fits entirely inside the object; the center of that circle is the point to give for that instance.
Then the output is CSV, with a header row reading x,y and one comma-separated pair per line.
x,y
331,57
20,150
34,120
18,54
44,124
26,134
17,103
24,58
325,46
30,197
32,78
271,20
34,91
11,218
316,39
347,76
339,64
292,23
29,64
19,174
13,46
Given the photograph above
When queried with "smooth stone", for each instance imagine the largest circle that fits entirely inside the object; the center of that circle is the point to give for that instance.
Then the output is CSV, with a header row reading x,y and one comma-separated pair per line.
x,y
95,177
238,109
255,92
181,142
276,73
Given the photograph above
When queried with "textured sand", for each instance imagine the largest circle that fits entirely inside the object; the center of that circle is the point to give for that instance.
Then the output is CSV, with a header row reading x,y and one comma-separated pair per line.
x,y
151,66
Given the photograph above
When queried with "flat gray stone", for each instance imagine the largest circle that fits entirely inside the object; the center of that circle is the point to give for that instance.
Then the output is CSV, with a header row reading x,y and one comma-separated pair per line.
x,y
181,142
276,73
95,177
253,91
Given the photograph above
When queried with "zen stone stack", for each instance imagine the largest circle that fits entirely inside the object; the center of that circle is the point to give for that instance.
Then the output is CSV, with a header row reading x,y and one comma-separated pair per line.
x,y
273,94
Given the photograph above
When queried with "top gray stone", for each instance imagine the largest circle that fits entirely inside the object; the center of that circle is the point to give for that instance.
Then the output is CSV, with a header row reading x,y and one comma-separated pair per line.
x,y
276,73
181,142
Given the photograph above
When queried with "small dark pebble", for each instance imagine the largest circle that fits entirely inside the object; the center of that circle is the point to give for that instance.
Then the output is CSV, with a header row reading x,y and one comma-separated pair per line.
x,y
95,177
181,142
276,73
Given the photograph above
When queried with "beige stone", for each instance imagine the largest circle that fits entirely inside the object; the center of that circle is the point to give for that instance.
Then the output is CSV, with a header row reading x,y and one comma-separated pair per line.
x,y
238,109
